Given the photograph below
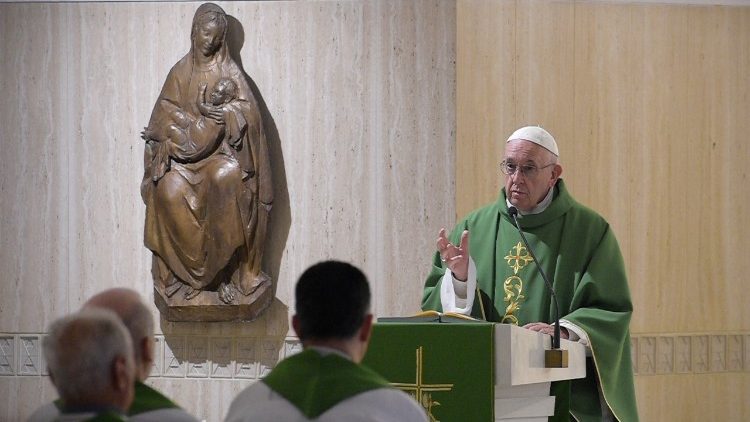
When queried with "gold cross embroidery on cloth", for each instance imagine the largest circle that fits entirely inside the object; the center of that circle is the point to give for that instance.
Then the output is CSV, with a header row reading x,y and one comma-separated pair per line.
x,y
513,285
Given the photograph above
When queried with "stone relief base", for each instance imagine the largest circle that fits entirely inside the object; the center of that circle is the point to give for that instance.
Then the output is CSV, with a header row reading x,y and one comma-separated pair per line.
x,y
207,307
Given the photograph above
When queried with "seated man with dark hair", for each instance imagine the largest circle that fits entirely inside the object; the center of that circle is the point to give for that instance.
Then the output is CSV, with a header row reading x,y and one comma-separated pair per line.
x,y
326,381
90,361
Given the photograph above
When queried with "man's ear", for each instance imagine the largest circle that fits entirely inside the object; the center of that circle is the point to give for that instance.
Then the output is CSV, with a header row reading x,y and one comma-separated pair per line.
x,y
123,382
147,350
365,331
556,173
122,376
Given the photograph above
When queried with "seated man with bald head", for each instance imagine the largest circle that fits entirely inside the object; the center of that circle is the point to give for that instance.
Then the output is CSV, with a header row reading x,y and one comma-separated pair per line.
x,y
148,404
90,361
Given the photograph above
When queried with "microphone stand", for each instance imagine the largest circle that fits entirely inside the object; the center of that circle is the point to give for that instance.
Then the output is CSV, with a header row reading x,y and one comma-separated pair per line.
x,y
556,357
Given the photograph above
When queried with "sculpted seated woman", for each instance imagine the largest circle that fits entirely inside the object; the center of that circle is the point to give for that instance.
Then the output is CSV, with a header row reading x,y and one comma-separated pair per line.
x,y
207,178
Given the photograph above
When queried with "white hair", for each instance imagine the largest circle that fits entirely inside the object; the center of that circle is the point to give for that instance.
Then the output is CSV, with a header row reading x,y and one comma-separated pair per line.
x,y
80,350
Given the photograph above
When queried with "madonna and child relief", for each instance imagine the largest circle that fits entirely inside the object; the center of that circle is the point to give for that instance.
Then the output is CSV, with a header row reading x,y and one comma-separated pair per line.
x,y
207,184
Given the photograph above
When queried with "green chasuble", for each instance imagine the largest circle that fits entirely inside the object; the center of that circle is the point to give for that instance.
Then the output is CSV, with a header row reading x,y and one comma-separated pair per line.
x,y
579,253
315,383
147,399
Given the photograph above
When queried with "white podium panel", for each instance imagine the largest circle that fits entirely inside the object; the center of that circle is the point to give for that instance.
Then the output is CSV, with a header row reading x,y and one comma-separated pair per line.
x,y
522,382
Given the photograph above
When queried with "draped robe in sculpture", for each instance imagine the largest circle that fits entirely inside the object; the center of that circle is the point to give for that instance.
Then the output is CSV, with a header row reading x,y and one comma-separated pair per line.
x,y
580,255
206,217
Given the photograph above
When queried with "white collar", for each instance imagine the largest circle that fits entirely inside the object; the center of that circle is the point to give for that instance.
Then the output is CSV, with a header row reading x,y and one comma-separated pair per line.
x,y
540,207
323,351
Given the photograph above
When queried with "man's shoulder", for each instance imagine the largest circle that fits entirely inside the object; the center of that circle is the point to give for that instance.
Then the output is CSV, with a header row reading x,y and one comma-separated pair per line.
x,y
388,395
587,228
382,404
583,215
258,402
150,404
148,398
257,389
575,210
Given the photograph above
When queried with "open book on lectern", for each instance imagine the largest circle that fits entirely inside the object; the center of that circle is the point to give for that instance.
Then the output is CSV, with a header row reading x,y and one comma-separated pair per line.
x,y
432,316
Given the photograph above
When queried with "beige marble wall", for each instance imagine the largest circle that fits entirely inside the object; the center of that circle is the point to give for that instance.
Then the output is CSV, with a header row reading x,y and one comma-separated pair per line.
x,y
360,99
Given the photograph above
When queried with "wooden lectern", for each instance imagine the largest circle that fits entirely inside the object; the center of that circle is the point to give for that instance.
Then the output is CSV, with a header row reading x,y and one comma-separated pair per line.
x,y
471,371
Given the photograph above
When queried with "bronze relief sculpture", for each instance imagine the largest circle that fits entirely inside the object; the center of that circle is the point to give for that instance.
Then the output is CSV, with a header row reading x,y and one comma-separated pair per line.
x,y
207,184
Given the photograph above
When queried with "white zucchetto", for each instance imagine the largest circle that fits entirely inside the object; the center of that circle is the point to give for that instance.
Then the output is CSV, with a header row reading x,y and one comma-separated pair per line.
x,y
536,135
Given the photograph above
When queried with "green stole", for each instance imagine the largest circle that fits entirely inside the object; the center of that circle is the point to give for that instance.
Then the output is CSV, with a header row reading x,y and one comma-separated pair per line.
x,y
314,383
146,399
579,253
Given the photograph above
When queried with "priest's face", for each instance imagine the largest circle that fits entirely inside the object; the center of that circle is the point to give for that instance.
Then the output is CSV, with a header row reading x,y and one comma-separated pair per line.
x,y
532,172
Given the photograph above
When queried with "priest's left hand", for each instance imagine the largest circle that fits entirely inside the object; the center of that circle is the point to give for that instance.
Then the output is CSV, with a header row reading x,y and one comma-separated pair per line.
x,y
546,329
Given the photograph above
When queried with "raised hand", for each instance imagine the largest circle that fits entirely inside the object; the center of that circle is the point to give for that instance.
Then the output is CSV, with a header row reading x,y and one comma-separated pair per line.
x,y
456,258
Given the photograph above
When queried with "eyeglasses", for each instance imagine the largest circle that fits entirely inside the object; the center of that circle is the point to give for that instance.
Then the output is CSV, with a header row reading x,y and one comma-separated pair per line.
x,y
527,170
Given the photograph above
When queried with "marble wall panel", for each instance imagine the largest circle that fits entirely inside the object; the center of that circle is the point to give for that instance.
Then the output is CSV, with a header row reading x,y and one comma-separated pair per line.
x,y
33,179
359,100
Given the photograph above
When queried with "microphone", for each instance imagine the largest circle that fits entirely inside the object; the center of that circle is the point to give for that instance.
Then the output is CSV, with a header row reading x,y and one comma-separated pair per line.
x,y
555,358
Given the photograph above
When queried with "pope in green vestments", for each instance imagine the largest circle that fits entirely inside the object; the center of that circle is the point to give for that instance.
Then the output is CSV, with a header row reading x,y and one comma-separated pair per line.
x,y
580,255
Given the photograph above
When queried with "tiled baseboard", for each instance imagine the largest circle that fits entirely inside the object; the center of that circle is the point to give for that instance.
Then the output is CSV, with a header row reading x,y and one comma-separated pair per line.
x,y
188,356
179,356
700,353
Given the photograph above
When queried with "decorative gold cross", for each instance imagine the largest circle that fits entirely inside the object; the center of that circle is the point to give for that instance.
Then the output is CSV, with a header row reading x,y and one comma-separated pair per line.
x,y
420,391
520,259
